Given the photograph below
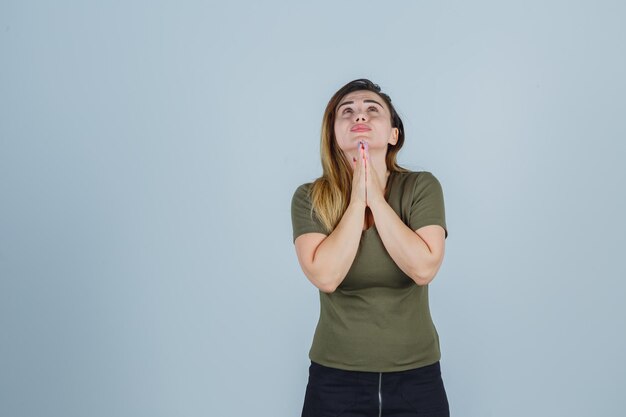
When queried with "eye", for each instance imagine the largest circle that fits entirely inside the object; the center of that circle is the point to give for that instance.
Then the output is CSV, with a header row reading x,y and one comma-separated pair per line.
x,y
347,109
372,107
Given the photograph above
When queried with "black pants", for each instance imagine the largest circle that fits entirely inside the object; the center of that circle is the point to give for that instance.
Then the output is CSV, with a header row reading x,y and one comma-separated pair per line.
x,y
333,392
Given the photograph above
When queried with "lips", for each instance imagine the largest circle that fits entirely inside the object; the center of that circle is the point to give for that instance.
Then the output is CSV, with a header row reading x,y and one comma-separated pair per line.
x,y
360,128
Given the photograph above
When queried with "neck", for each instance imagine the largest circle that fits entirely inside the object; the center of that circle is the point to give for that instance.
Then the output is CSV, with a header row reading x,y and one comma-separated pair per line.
x,y
380,166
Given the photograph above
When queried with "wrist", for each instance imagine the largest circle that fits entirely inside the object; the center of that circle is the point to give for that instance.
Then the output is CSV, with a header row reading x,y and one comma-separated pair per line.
x,y
357,205
375,205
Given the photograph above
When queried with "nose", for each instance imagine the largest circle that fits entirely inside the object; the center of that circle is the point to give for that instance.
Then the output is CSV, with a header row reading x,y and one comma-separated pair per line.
x,y
360,116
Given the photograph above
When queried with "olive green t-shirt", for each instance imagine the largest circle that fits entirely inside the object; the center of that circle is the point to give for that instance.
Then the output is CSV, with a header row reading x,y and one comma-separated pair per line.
x,y
378,319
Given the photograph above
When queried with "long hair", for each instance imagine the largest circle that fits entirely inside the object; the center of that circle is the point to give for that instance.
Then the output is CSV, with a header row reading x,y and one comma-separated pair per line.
x,y
330,193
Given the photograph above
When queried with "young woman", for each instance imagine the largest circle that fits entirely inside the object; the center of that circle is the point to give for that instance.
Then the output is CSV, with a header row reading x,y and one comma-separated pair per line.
x,y
370,235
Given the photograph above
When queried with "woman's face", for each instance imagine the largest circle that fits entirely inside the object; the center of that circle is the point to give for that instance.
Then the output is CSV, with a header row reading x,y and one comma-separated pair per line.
x,y
363,115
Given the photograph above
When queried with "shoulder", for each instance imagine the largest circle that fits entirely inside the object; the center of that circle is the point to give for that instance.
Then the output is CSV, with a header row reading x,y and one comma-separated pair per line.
x,y
415,174
301,197
427,178
302,190
423,175
413,180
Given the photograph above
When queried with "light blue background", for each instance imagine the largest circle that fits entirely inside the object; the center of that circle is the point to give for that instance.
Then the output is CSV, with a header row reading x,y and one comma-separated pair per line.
x,y
149,152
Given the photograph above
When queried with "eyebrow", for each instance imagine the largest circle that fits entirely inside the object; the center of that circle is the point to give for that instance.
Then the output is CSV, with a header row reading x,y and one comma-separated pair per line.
x,y
364,101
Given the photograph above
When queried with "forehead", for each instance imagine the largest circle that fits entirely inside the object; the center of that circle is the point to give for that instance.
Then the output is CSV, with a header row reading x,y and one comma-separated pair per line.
x,y
358,96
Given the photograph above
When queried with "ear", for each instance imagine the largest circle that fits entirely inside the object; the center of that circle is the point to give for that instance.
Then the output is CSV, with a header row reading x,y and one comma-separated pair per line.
x,y
396,135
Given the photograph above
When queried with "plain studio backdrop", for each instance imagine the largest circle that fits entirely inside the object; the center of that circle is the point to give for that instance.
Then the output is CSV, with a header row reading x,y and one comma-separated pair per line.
x,y
149,152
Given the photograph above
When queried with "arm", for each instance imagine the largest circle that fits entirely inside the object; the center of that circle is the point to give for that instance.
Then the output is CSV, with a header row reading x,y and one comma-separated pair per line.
x,y
419,253
326,260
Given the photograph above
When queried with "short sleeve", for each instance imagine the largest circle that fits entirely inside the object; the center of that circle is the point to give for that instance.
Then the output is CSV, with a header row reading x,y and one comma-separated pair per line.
x,y
427,205
303,219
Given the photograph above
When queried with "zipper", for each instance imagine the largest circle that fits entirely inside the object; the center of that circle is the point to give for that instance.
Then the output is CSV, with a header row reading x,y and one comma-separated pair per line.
x,y
380,398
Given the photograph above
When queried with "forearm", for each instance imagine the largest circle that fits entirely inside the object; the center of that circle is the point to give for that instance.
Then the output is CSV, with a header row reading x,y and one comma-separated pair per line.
x,y
406,248
334,256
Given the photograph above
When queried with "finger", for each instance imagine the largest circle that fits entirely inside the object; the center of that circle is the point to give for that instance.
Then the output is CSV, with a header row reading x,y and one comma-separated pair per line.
x,y
364,162
365,156
358,153
368,162
366,150
365,171
357,167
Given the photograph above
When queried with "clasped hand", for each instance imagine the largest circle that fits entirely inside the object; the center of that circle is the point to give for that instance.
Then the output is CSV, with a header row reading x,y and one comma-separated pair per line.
x,y
365,184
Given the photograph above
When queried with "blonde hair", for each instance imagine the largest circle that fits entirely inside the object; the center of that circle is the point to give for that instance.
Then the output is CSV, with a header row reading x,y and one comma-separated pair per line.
x,y
330,193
